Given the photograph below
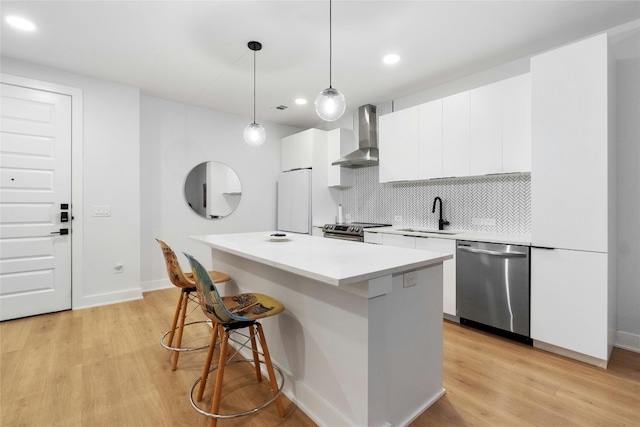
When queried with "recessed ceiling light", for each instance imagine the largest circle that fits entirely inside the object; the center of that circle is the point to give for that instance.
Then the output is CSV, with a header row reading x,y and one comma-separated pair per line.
x,y
20,23
391,59
300,101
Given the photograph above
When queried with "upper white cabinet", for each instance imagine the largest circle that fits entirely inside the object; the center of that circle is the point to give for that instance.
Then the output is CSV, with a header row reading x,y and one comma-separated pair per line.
x,y
516,124
456,149
430,152
339,143
485,130
500,127
296,151
398,145
573,165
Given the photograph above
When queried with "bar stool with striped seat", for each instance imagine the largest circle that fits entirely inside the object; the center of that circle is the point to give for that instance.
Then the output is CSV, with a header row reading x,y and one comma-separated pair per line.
x,y
185,282
229,314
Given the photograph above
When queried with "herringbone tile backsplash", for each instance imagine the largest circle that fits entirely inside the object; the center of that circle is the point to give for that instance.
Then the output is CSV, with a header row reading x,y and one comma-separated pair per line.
x,y
505,198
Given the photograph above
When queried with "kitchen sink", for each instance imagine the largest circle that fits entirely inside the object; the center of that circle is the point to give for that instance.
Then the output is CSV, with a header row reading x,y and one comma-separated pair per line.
x,y
426,230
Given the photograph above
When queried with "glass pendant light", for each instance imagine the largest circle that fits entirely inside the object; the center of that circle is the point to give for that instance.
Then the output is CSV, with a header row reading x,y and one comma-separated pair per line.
x,y
254,133
330,103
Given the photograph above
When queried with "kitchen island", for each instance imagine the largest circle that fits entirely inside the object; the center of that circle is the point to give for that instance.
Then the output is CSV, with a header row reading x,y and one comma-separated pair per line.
x,y
360,341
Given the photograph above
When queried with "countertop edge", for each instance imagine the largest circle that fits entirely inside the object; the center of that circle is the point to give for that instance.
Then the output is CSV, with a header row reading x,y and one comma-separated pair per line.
x,y
438,259
509,239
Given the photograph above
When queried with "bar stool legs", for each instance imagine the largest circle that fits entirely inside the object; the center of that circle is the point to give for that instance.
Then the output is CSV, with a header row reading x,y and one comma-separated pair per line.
x,y
177,325
255,330
272,376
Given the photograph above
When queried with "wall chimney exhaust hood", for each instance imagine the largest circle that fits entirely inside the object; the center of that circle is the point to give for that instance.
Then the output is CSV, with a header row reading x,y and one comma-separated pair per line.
x,y
367,152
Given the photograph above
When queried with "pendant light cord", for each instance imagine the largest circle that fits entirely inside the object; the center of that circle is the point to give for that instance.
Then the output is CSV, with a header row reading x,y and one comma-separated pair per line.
x,y
330,45
254,86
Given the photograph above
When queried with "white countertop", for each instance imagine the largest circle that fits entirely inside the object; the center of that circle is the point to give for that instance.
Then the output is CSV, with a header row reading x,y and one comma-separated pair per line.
x,y
476,236
332,261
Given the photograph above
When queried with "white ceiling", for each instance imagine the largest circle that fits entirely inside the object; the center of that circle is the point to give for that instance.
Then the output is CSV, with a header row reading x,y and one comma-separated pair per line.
x,y
196,52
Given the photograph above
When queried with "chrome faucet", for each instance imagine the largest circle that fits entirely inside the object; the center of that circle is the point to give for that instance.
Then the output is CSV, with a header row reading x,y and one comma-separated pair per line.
x,y
441,222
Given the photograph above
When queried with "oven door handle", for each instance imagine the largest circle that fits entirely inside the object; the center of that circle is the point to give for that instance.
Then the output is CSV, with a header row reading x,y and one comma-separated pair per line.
x,y
343,237
492,253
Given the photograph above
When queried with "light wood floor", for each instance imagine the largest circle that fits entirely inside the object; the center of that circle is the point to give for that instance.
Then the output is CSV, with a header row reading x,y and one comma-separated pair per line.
x,y
105,367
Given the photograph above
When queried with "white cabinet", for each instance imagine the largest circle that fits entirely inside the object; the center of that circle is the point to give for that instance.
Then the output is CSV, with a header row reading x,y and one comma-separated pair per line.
x,y
500,127
374,238
485,130
296,151
294,201
399,241
573,179
339,143
569,300
449,269
516,124
572,165
398,144
430,146
455,135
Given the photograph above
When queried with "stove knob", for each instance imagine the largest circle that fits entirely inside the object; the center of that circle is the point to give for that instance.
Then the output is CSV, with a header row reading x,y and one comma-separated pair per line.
x,y
358,229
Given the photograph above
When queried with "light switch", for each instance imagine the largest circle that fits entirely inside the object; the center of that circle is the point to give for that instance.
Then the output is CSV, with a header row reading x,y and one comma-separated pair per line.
x,y
101,210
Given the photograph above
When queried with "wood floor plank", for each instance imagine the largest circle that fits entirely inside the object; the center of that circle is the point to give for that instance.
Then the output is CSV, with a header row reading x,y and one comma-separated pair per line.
x,y
104,366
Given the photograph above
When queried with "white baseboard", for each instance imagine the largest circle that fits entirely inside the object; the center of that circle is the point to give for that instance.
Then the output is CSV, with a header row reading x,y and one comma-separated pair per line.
x,y
156,285
628,341
107,298
601,363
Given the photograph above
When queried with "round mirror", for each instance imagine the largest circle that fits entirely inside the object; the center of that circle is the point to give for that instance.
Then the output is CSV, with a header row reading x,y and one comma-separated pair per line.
x,y
212,190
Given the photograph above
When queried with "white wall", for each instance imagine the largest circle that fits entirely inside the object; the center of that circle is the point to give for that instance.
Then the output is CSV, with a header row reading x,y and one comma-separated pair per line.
x,y
176,137
110,177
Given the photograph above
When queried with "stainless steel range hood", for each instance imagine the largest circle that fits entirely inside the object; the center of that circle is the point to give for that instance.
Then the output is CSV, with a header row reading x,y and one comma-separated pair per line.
x,y
367,152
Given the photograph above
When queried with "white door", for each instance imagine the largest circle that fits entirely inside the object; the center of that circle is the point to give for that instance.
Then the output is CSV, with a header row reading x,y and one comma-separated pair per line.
x,y
35,170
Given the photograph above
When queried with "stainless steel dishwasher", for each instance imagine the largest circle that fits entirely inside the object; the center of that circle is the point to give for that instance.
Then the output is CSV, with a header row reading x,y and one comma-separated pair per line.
x,y
492,286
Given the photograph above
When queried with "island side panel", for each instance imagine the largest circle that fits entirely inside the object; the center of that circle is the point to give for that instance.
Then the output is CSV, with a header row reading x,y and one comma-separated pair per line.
x,y
413,346
320,341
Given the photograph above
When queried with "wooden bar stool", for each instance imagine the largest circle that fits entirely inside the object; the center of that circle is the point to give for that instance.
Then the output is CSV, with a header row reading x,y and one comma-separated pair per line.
x,y
231,314
185,282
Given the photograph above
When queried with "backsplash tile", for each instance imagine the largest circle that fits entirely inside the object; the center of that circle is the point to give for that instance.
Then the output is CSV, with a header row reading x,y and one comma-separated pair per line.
x,y
506,198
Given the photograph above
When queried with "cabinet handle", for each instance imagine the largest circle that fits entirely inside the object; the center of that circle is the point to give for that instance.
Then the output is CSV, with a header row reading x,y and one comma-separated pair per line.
x,y
492,253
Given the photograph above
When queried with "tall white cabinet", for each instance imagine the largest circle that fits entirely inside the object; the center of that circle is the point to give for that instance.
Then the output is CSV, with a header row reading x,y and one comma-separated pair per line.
x,y
573,177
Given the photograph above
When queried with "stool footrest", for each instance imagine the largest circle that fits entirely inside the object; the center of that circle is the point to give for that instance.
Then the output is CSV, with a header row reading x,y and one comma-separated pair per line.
x,y
183,348
238,414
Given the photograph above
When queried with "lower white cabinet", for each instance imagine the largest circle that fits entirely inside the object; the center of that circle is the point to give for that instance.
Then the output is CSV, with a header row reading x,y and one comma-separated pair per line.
x,y
399,241
570,300
449,269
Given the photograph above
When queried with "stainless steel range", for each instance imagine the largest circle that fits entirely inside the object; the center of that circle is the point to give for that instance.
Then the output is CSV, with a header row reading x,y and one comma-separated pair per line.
x,y
353,231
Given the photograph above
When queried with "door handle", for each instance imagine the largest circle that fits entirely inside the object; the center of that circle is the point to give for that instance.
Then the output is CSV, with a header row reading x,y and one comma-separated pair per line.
x,y
62,232
492,253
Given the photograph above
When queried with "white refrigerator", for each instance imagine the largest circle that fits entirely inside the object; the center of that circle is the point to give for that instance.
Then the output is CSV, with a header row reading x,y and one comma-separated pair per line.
x,y
294,201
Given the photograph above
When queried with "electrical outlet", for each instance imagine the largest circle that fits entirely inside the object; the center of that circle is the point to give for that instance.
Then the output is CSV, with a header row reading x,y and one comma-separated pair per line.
x,y
347,216
118,267
490,222
102,210
476,221
410,279
397,218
